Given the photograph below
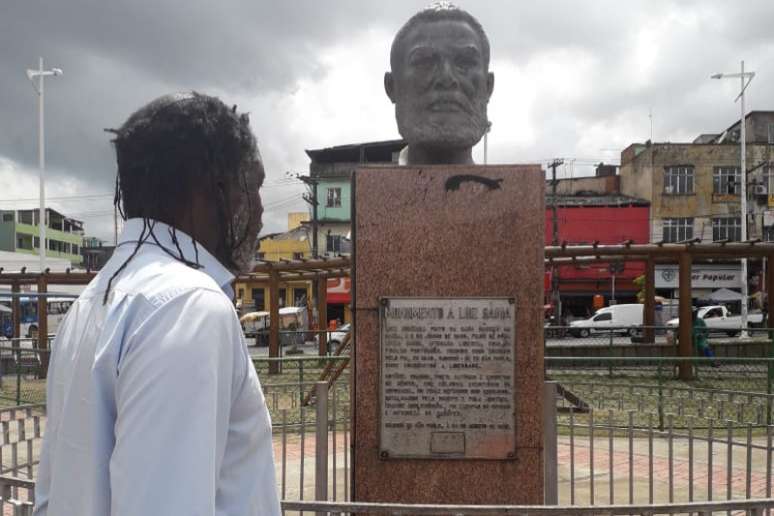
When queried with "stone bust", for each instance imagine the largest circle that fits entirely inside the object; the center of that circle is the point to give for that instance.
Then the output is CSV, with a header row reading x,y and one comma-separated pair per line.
x,y
440,84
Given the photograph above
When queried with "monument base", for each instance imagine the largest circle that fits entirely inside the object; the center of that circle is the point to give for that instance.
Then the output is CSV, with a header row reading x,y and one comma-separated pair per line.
x,y
448,361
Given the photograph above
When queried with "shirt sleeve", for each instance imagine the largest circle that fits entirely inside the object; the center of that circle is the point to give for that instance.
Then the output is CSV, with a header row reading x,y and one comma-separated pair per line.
x,y
173,397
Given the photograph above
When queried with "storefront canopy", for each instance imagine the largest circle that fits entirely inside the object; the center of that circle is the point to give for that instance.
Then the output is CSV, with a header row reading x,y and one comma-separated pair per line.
x,y
723,294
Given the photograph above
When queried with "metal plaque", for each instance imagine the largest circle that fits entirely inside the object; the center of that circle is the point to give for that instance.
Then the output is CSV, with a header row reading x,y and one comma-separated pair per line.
x,y
447,377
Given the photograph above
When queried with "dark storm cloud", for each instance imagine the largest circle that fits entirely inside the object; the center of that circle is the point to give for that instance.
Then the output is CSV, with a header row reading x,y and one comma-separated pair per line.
x,y
118,55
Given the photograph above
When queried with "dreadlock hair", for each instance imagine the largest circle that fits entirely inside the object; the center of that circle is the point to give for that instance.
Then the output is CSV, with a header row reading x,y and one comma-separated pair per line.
x,y
169,148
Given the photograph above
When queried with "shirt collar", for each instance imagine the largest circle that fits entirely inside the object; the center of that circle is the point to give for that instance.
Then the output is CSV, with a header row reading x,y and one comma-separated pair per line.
x,y
163,232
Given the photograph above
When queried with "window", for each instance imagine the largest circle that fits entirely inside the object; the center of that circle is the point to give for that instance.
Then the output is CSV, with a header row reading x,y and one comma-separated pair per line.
x,y
333,243
7,217
607,316
298,256
299,296
678,180
25,217
36,242
260,256
727,228
726,181
768,233
771,133
75,249
677,230
282,295
259,301
333,199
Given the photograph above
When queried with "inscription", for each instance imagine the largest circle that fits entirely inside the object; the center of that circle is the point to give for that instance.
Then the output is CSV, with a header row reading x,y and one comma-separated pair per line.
x,y
447,378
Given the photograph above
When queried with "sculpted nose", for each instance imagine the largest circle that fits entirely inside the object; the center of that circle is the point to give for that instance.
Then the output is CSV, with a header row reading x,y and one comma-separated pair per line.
x,y
446,77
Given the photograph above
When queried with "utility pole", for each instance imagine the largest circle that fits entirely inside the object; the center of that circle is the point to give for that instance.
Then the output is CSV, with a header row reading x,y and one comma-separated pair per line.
x,y
745,78
555,299
312,182
40,74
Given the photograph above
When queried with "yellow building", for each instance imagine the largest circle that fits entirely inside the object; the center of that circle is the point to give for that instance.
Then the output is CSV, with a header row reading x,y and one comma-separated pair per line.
x,y
291,245
296,218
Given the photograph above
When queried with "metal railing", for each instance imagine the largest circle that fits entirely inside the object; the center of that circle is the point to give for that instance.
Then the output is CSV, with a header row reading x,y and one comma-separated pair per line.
x,y
751,507
632,341
638,436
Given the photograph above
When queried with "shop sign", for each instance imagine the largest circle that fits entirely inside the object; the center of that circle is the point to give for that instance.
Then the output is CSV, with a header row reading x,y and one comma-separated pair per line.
x,y
702,276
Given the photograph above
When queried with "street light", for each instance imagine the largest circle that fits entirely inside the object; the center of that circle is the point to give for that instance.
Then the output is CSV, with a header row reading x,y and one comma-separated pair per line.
x,y
745,79
40,73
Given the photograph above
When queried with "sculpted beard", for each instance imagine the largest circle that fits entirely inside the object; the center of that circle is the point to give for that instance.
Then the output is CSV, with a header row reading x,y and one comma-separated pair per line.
x,y
417,128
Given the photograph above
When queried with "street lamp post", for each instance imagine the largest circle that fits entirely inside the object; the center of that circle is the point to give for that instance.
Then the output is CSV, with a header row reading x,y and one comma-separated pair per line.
x,y
745,79
40,73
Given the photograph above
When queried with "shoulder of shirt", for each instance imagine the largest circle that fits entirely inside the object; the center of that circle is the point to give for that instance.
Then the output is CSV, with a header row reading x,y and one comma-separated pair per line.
x,y
156,277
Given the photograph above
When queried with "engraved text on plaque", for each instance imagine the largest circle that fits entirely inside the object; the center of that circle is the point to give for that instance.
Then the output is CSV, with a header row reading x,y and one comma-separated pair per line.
x,y
447,376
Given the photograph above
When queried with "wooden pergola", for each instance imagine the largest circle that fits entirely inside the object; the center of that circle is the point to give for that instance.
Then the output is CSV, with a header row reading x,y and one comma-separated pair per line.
x,y
317,270
682,253
16,280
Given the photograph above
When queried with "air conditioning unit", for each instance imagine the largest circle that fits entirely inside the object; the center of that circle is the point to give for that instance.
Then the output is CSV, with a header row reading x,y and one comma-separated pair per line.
x,y
760,190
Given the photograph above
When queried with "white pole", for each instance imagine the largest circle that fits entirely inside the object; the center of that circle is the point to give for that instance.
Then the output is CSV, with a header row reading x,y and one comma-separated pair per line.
x,y
744,207
42,167
486,142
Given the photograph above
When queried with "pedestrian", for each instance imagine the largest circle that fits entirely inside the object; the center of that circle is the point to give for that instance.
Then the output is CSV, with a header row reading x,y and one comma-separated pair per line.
x,y
701,337
154,406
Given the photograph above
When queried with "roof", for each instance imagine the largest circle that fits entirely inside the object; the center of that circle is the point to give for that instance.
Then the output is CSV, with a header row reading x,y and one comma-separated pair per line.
x,y
610,200
368,152
299,233
51,210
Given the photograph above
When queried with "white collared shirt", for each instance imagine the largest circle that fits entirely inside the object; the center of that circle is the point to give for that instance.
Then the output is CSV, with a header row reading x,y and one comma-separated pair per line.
x,y
154,406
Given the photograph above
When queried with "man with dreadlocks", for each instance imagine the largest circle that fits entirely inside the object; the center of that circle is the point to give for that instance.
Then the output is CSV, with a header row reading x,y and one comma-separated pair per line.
x,y
154,406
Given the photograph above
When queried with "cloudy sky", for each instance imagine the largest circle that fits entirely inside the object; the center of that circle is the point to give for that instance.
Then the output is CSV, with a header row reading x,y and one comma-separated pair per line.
x,y
573,79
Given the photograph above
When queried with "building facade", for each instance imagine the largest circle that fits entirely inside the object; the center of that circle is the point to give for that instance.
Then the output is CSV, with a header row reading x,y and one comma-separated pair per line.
x,y
19,232
584,220
694,188
331,169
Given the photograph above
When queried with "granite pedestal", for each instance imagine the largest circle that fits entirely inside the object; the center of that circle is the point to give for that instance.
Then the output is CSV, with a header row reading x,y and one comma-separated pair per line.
x,y
449,232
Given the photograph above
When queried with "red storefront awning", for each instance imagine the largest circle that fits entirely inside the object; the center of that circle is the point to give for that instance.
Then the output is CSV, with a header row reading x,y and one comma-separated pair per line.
x,y
339,291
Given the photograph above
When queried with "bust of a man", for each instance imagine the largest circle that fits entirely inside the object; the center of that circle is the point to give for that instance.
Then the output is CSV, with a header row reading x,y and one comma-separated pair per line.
x,y
440,84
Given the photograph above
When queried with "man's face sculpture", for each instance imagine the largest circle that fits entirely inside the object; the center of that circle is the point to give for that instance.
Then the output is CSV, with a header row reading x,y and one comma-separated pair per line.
x,y
440,84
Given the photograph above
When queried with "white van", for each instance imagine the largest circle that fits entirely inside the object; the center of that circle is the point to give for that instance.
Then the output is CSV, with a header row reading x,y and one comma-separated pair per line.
x,y
617,319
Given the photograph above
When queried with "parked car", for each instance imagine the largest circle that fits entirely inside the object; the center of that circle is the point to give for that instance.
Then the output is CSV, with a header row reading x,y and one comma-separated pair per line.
x,y
720,320
292,319
254,322
626,319
335,337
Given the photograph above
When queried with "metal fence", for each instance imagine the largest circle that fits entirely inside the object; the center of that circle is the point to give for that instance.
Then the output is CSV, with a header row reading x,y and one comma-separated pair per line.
x,y
624,436
631,341
624,439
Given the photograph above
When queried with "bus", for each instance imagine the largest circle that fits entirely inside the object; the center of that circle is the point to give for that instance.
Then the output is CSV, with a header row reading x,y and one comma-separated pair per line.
x,y
57,308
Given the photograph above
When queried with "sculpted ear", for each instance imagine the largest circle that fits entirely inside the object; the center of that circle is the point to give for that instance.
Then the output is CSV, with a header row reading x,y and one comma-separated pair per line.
x,y
489,84
389,86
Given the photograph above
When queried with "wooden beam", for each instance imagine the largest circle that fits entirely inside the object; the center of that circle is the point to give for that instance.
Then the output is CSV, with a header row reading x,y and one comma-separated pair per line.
x,y
649,307
322,315
770,296
308,265
274,322
731,249
686,321
16,311
43,326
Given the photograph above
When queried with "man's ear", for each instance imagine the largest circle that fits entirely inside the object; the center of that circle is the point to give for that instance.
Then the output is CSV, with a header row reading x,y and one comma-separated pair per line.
x,y
489,84
389,86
